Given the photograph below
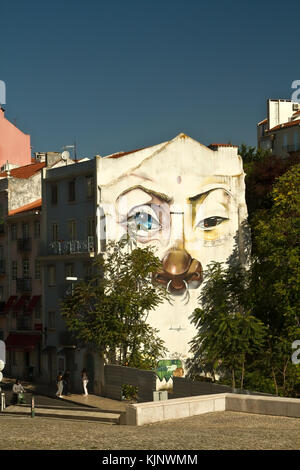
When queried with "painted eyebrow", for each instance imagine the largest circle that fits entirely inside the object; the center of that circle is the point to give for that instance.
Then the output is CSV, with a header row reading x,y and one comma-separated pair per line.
x,y
161,196
206,193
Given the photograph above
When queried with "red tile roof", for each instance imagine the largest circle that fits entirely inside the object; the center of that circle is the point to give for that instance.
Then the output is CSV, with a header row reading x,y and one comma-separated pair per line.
x,y
263,122
296,113
28,207
25,171
122,154
286,124
222,145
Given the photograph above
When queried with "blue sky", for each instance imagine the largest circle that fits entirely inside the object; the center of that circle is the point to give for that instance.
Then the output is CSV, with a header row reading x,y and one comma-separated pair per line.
x,y
122,74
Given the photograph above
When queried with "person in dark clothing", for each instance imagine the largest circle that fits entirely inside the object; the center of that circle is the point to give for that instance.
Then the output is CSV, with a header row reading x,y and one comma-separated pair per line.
x,y
67,382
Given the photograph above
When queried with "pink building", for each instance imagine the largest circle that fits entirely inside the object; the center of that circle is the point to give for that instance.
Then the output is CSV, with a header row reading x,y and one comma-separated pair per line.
x,y
14,144
21,319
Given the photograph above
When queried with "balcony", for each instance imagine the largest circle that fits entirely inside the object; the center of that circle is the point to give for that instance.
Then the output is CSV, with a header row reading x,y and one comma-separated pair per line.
x,y
24,284
291,148
2,267
72,247
23,324
2,306
24,245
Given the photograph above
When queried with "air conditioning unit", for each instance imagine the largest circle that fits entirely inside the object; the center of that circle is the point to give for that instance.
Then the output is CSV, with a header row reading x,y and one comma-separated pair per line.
x,y
296,106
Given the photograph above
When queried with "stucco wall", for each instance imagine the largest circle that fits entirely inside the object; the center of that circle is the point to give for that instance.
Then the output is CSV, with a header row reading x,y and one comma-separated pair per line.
x,y
185,185
14,144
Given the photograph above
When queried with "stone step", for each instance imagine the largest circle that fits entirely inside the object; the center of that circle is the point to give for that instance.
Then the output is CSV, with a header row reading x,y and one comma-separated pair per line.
x,y
107,418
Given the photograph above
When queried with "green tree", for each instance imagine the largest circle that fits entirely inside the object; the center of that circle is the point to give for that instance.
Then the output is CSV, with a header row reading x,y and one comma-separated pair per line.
x,y
110,311
227,331
276,278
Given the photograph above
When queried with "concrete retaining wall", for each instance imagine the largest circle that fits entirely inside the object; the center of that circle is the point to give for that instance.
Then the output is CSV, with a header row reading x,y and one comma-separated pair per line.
x,y
275,406
153,412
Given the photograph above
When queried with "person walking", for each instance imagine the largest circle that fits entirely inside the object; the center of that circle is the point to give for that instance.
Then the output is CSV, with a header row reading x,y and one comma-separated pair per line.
x,y
18,393
66,381
60,384
85,380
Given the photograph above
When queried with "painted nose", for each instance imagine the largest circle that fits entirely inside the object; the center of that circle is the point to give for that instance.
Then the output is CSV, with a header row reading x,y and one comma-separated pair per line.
x,y
179,271
176,262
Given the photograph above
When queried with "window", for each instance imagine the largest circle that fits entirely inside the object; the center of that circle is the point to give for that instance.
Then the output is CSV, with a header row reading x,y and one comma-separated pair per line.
x,y
13,232
54,194
61,364
51,320
14,270
90,187
37,229
71,187
1,219
69,270
25,268
91,227
51,275
54,232
296,141
25,231
14,358
37,311
72,229
37,269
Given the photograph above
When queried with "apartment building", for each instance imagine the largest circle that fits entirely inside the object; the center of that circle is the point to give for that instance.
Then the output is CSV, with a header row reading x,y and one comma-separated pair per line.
x,y
23,327
68,248
20,282
280,131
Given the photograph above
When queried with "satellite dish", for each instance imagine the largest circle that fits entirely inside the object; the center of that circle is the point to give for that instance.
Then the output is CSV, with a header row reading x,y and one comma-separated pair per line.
x,y
65,155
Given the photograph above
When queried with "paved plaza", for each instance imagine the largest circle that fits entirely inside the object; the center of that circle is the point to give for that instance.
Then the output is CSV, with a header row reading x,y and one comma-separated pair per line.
x,y
220,430
70,424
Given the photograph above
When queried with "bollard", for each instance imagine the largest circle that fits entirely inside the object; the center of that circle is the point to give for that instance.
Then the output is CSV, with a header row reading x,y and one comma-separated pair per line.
x,y
2,401
32,406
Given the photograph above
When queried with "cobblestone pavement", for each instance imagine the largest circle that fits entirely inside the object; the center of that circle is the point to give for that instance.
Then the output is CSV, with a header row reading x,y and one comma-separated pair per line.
x,y
221,430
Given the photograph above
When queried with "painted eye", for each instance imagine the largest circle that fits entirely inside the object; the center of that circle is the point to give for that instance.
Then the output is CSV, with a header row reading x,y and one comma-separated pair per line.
x,y
210,222
143,221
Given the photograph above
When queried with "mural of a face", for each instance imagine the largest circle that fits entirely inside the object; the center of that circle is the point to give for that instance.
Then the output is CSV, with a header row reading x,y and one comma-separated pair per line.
x,y
188,202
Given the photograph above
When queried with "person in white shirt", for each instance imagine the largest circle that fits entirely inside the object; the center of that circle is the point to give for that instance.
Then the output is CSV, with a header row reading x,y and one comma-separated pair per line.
x,y
85,380
18,391
60,384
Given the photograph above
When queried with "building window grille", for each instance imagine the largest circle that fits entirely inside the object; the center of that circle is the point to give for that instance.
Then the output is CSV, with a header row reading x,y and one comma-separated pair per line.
x,y
71,188
54,197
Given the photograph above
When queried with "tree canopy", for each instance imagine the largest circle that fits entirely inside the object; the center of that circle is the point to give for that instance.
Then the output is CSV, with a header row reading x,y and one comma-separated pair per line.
x,y
110,311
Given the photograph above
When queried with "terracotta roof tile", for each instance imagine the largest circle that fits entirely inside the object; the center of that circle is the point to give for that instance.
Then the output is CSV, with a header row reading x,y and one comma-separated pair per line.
x,y
263,122
28,207
222,145
24,171
286,124
122,154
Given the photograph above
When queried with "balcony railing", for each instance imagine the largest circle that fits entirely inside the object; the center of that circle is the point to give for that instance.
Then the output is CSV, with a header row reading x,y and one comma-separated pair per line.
x,y
72,247
2,267
291,148
2,305
24,284
23,324
24,244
